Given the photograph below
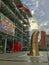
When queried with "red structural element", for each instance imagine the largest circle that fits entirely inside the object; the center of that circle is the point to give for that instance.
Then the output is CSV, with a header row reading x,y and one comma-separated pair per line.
x,y
43,34
20,6
16,47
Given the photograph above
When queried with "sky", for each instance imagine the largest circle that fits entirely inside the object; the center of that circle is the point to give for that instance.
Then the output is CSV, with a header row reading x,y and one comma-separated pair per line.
x,y
40,11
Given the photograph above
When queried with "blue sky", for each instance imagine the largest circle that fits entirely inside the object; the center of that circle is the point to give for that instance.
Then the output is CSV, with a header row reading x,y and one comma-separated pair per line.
x,y
41,12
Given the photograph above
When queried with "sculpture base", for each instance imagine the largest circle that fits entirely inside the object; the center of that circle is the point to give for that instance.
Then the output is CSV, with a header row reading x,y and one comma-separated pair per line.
x,y
33,54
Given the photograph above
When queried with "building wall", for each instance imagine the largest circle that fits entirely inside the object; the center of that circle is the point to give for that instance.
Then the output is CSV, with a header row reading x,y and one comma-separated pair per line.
x,y
43,34
47,40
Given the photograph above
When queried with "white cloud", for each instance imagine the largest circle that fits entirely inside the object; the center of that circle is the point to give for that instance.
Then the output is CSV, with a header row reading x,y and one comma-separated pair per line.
x,y
47,31
41,24
46,23
32,12
37,3
44,26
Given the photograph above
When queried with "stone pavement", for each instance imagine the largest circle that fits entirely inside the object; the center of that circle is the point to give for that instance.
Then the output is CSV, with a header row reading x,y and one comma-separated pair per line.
x,y
21,58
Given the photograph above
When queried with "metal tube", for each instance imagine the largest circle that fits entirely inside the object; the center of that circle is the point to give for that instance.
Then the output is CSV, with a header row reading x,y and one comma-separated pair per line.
x,y
5,45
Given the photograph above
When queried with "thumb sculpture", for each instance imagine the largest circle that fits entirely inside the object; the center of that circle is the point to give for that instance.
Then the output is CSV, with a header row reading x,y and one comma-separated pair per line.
x,y
34,44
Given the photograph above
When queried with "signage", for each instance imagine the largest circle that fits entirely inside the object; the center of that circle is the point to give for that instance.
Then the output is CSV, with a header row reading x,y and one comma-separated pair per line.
x,y
7,25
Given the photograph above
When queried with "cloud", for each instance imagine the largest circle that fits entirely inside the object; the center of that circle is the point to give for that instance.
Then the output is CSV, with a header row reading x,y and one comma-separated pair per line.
x,y
40,11
45,23
47,31
32,12
37,3
44,26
